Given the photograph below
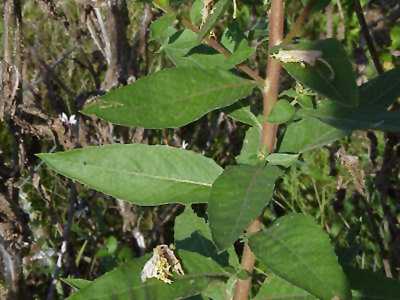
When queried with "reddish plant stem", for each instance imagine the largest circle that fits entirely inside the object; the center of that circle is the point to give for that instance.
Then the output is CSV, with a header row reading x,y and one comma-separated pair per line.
x,y
221,49
268,136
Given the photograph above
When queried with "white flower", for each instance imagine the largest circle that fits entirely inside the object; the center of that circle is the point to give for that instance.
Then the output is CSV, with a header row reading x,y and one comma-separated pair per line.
x,y
184,144
67,121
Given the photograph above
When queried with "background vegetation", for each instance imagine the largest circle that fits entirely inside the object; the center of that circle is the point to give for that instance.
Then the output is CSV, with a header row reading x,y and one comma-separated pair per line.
x,y
67,52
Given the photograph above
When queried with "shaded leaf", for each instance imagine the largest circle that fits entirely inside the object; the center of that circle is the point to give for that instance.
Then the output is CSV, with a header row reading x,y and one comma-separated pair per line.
x,y
308,134
170,98
124,282
318,5
281,112
367,285
381,91
249,153
360,118
138,173
332,75
297,250
239,195
276,288
192,233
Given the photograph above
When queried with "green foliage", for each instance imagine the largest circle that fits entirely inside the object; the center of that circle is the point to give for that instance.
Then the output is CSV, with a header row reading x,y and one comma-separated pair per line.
x,y
282,112
243,114
249,153
308,134
294,252
368,285
242,192
329,71
313,264
178,96
124,282
218,10
275,287
134,172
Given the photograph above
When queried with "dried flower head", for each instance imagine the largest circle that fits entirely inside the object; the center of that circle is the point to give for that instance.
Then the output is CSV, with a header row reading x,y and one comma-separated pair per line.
x,y
161,265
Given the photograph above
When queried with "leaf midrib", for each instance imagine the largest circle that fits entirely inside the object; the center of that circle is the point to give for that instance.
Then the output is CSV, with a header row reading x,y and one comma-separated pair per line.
x,y
162,178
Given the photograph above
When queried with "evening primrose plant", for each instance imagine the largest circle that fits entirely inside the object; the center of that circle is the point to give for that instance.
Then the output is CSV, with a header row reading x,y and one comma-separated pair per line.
x,y
293,254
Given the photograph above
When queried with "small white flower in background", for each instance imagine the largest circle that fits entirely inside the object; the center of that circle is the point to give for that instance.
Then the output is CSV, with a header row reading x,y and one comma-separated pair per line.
x,y
139,239
161,265
67,121
184,144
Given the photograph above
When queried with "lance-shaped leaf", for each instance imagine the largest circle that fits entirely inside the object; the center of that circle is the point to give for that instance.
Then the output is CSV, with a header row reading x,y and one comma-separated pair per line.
x,y
124,282
308,134
322,66
276,288
297,250
138,173
239,195
170,98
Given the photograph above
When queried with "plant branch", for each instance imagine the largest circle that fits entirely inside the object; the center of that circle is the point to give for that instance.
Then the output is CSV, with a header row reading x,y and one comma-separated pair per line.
x,y
298,24
367,36
268,136
221,49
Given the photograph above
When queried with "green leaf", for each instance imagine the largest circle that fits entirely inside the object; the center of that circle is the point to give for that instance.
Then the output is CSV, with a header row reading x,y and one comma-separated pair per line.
x,y
360,118
243,114
381,91
217,12
138,173
249,153
282,159
170,98
195,12
242,53
332,75
162,29
193,234
281,112
276,288
76,283
124,282
318,5
297,250
377,95
308,134
239,195
367,285
184,50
